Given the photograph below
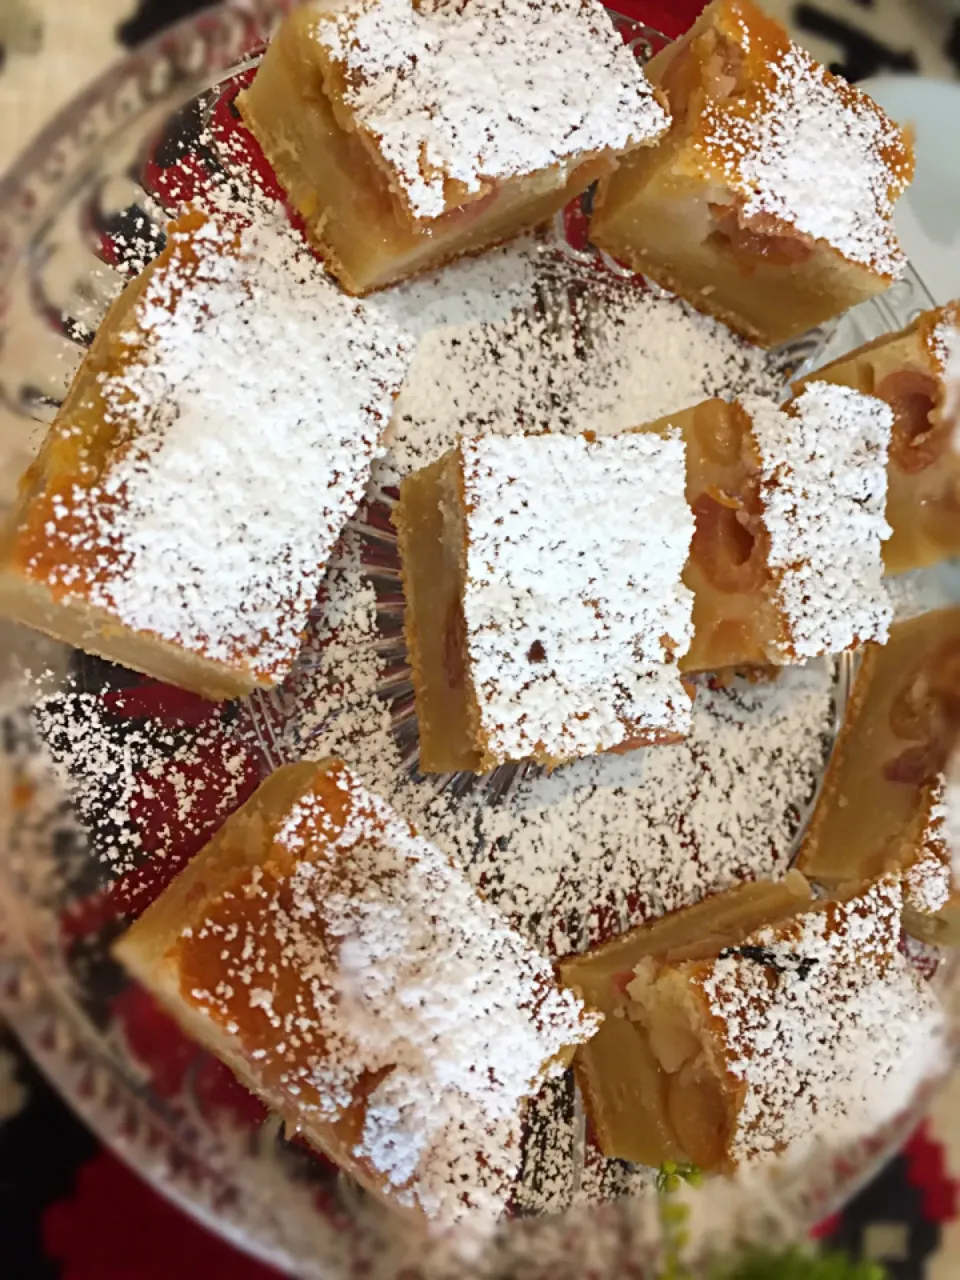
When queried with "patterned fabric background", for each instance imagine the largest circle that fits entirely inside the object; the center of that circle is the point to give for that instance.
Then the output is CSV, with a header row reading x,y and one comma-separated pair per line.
x,y
69,1209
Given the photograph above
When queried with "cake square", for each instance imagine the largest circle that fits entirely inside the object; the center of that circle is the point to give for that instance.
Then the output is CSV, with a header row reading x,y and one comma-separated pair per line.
x,y
620,1078
908,370
769,203
545,611
351,977
880,806
181,510
407,134
747,1043
789,502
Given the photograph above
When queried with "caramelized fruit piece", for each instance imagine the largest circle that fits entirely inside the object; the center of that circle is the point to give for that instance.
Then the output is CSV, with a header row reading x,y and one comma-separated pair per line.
x,y
913,397
724,547
716,62
723,67
763,238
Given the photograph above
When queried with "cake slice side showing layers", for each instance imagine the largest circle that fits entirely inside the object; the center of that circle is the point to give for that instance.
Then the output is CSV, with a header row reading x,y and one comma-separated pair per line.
x,y
745,1044
624,1086
545,609
404,144
908,371
353,979
880,805
769,204
789,502
179,515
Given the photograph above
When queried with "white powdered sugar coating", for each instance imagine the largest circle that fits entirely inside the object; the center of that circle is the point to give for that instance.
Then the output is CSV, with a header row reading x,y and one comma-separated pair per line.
x,y
819,156
575,611
487,91
830,1028
824,491
950,814
240,467
606,357
946,345
602,844
928,881
402,969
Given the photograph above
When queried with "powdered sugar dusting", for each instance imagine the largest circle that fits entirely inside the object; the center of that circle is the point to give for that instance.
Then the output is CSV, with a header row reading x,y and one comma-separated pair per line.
x,y
928,881
946,347
372,922
819,156
950,814
603,843
833,1035
575,612
604,357
488,91
231,568
126,776
824,487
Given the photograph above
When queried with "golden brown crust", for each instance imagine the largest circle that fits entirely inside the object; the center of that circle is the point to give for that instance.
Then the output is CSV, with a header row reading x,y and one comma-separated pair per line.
x,y
432,575
149,951
761,46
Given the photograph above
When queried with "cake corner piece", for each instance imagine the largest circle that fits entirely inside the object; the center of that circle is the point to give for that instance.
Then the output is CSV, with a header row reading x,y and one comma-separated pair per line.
x,y
678,1071
769,204
119,543
328,955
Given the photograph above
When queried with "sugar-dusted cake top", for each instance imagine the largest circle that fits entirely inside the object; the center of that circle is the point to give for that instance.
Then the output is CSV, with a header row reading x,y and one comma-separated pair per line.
x,y
367,982
943,342
928,882
943,338
574,606
459,96
248,399
802,146
824,490
824,1021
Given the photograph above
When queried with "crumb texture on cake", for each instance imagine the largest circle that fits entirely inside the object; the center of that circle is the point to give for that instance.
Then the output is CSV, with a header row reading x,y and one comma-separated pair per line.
x,y
223,471
803,147
574,605
457,97
824,490
821,1021
371,988
928,882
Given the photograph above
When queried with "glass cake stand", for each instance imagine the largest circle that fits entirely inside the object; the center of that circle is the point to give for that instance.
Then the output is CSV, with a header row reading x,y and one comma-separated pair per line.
x,y
86,204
